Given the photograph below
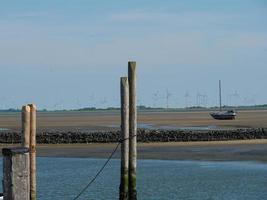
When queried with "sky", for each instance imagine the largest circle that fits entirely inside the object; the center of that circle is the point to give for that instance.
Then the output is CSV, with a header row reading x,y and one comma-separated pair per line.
x,y
64,54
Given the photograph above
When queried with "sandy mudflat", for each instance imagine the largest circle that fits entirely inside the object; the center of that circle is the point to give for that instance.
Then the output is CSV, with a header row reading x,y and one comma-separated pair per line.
x,y
245,150
108,120
232,150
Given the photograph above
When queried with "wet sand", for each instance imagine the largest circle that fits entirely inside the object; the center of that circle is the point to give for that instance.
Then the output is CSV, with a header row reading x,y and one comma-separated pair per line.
x,y
245,150
107,120
254,150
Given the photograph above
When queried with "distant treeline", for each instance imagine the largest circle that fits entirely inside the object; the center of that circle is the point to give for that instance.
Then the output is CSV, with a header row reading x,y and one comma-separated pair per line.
x,y
147,108
10,110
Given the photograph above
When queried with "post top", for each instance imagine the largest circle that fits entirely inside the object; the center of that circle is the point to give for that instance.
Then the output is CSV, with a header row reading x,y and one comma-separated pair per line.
x,y
33,106
124,80
14,151
26,108
131,63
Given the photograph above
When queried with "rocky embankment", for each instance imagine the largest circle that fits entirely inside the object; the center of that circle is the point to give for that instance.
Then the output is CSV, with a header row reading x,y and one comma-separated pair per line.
x,y
144,135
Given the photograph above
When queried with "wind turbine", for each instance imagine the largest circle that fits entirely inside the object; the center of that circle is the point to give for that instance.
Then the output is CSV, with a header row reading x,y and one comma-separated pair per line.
x,y
168,95
155,98
186,96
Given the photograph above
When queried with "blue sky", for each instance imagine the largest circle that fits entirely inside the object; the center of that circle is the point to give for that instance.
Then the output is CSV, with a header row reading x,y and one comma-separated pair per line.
x,y
70,54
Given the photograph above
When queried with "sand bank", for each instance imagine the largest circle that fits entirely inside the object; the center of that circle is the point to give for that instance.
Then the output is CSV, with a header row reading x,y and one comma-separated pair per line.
x,y
248,150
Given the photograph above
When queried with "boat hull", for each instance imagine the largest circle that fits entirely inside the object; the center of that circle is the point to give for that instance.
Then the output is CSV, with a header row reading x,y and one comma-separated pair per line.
x,y
223,116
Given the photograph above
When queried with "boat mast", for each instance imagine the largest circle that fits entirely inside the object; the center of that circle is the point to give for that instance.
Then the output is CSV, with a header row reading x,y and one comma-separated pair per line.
x,y
220,95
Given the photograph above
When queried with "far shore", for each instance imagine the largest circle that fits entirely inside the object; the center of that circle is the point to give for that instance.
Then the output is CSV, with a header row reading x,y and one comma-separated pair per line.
x,y
236,150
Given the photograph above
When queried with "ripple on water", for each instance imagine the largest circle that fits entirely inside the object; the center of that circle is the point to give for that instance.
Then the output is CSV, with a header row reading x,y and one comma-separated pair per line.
x,y
62,178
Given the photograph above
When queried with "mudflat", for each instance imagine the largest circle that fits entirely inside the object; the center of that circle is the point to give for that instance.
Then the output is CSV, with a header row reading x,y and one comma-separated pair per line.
x,y
254,150
107,120
239,150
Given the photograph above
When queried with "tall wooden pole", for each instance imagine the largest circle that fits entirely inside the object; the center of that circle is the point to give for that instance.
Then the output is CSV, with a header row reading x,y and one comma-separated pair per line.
x,y
26,128
124,185
132,130
33,153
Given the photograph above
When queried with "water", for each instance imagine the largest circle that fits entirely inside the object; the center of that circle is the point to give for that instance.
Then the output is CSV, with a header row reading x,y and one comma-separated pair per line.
x,y
174,127
191,128
4,129
143,126
62,178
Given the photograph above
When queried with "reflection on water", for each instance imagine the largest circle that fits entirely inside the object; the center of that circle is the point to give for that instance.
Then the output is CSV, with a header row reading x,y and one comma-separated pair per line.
x,y
62,178
144,126
174,127
4,129
194,128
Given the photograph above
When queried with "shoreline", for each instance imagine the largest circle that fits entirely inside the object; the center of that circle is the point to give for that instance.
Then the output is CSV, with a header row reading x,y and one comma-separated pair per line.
x,y
235,150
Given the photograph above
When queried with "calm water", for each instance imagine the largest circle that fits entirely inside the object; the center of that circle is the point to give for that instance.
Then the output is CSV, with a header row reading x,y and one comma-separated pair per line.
x,y
4,129
175,127
61,178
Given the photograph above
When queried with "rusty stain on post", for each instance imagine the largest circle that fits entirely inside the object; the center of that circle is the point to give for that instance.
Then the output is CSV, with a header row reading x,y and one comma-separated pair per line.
x,y
124,183
132,130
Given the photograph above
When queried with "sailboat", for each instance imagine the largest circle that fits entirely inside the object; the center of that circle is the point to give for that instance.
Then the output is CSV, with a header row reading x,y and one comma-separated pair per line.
x,y
223,115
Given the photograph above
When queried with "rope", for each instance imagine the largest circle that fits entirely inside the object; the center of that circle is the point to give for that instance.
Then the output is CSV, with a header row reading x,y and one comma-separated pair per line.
x,y
122,140
103,167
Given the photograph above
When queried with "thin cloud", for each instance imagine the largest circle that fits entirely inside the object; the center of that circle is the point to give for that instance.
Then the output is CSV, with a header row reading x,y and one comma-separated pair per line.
x,y
137,16
26,15
181,17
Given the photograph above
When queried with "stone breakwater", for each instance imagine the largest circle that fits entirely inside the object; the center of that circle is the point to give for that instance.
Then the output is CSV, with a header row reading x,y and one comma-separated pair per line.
x,y
144,135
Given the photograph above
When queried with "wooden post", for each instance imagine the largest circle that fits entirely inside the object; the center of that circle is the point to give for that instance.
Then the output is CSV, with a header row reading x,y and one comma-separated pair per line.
x,y
16,177
33,152
124,185
25,116
132,130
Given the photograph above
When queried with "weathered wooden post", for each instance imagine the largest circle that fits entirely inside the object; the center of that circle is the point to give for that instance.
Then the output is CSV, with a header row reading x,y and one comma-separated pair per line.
x,y
16,177
29,141
33,152
26,128
124,184
132,130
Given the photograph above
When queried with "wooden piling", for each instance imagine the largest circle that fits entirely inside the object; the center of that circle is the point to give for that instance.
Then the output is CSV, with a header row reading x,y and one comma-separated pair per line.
x,y
26,118
16,175
124,182
132,130
33,152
